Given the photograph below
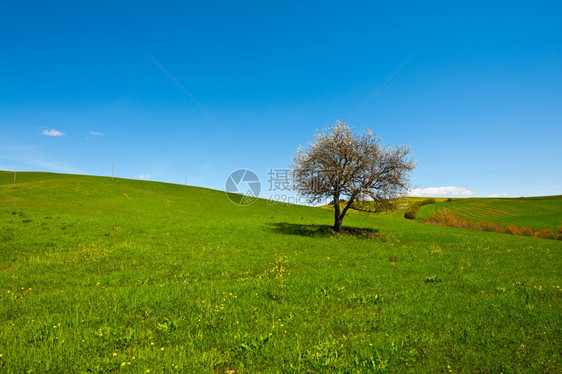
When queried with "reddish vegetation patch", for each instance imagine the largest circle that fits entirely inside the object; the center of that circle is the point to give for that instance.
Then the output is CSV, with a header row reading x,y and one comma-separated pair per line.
x,y
446,219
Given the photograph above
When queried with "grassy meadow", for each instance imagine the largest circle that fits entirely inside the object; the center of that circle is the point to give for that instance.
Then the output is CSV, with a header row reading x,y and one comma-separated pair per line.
x,y
537,212
145,277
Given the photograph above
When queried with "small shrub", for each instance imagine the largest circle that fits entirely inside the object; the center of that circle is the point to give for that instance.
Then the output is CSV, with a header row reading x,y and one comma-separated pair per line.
x,y
446,219
427,202
443,218
489,226
559,230
545,234
520,230
528,231
437,219
411,213
513,230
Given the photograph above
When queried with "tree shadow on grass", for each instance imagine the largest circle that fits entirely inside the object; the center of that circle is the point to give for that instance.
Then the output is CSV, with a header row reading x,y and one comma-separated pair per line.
x,y
323,231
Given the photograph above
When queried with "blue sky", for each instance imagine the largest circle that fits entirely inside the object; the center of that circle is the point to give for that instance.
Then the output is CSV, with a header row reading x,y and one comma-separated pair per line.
x,y
479,98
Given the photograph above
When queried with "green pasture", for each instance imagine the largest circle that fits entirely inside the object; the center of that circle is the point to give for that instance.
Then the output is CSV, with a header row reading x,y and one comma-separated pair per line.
x,y
128,276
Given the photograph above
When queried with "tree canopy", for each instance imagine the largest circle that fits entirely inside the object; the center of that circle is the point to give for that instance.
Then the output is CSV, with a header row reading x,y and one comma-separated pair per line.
x,y
347,168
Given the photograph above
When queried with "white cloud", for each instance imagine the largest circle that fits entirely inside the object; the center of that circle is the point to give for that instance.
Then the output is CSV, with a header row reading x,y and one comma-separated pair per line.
x,y
498,195
144,176
52,132
440,191
95,133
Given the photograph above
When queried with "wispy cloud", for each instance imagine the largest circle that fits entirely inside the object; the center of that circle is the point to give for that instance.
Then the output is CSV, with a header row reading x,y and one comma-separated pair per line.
x,y
95,133
52,132
144,176
27,157
440,191
498,195
46,165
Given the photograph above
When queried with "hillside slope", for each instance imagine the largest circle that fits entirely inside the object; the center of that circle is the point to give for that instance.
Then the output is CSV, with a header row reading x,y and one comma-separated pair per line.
x,y
100,276
537,212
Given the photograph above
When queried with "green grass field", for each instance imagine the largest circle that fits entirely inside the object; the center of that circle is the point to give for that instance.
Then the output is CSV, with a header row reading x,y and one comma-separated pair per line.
x,y
144,277
537,212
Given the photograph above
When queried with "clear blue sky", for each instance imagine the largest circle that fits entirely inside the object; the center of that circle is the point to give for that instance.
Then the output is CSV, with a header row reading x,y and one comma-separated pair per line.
x,y
480,100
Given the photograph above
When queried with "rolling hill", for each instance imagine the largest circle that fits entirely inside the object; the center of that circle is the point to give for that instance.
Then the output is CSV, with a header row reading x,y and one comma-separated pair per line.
x,y
135,276
537,212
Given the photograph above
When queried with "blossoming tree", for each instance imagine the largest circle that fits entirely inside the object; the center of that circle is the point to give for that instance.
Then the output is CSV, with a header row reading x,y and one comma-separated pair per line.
x,y
346,168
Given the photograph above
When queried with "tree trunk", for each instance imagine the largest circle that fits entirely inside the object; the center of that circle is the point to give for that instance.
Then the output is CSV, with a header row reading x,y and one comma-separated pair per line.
x,y
337,224
338,215
337,218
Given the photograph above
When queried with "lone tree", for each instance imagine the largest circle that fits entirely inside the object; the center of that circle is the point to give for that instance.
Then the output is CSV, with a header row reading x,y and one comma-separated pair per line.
x,y
348,168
